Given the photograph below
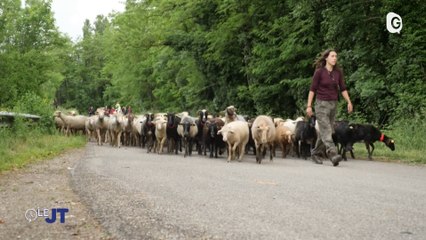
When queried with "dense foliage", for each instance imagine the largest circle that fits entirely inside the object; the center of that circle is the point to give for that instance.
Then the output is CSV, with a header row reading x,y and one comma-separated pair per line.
x,y
175,55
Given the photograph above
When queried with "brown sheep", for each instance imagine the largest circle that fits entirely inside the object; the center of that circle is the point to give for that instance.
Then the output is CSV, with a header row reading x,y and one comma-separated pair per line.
x,y
283,138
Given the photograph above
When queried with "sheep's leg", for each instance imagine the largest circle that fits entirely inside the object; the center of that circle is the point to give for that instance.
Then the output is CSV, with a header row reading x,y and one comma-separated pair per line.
x,y
162,144
258,153
241,147
185,146
119,139
234,150
372,150
211,149
270,151
169,146
98,133
367,145
177,144
229,152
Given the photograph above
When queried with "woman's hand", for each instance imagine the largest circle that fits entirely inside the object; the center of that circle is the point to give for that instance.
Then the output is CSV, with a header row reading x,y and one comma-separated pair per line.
x,y
309,111
350,107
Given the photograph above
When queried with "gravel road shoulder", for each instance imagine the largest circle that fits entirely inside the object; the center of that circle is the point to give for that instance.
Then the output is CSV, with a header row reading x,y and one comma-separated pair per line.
x,y
46,184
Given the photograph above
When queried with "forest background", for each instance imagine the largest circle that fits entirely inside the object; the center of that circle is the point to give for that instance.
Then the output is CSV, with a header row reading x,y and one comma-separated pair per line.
x,y
186,55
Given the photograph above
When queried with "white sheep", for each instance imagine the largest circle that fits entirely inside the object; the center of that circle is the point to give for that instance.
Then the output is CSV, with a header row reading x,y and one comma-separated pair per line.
x,y
72,123
236,135
263,132
160,134
115,129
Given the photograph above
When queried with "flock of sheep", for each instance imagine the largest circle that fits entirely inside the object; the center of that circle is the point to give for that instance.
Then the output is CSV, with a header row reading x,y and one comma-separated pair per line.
x,y
232,132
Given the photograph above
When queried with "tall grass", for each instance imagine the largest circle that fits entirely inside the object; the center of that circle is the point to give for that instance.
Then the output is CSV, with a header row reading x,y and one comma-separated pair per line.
x,y
19,148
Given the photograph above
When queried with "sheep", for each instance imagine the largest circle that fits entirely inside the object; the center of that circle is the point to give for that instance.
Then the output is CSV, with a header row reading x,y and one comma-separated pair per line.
x,y
136,130
89,125
305,137
160,134
236,135
188,130
291,124
211,137
148,131
277,121
263,131
283,138
201,121
127,128
250,144
342,138
97,123
230,114
74,123
115,129
368,134
60,124
174,139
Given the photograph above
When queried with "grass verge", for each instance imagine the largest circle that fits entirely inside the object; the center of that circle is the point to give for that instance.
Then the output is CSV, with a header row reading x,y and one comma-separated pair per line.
x,y
17,152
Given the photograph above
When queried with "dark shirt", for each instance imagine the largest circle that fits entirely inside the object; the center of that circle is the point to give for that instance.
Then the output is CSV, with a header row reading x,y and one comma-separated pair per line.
x,y
326,84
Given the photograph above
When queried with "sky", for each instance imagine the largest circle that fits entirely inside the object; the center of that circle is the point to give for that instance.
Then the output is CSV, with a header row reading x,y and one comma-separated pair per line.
x,y
71,14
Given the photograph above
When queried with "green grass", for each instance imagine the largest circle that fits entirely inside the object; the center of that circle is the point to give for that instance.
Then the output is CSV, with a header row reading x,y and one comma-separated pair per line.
x,y
17,152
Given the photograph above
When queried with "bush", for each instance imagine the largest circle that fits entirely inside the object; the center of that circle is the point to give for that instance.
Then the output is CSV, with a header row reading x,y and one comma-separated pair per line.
x,y
33,104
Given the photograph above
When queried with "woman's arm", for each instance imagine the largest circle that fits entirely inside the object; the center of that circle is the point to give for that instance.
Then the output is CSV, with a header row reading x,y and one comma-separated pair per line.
x,y
345,94
309,111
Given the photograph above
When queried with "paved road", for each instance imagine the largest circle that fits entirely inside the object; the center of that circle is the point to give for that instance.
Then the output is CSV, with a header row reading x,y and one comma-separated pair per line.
x,y
136,195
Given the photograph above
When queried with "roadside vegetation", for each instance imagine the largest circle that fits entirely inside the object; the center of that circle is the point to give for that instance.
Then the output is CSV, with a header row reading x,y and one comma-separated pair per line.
x,y
18,150
27,142
168,55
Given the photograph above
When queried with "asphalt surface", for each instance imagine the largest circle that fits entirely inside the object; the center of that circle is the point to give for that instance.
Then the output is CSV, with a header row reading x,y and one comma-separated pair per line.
x,y
135,195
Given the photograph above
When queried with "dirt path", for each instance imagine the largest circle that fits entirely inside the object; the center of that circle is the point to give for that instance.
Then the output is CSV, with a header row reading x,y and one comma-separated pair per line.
x,y
45,185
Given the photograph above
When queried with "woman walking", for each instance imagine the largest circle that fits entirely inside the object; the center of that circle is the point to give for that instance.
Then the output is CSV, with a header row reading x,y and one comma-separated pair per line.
x,y
326,84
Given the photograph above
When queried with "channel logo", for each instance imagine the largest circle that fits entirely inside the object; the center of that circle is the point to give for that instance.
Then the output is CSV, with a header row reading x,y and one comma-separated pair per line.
x,y
32,214
393,22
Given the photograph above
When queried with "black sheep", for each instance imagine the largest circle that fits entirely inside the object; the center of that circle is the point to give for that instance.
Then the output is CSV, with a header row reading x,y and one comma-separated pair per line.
x,y
305,137
366,133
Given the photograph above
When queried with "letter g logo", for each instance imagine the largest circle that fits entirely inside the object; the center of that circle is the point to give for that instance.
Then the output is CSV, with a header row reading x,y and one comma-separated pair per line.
x,y
393,22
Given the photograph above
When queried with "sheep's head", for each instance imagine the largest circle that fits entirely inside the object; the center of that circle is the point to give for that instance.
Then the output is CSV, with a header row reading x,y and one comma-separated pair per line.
x,y
263,133
312,121
230,111
212,126
160,123
203,115
390,143
100,112
225,132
